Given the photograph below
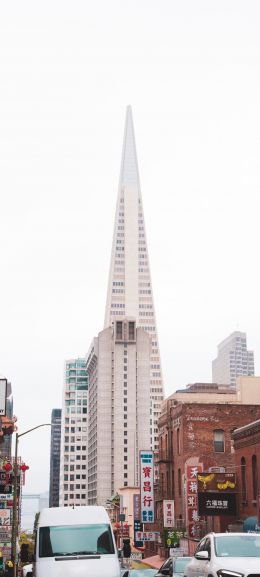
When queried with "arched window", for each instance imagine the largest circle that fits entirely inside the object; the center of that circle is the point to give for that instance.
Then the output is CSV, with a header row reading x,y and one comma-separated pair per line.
x,y
179,482
254,477
178,442
243,480
219,441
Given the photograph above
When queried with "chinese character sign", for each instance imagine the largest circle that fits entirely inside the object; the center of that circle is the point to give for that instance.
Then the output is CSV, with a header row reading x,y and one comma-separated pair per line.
x,y
168,513
146,486
192,513
217,504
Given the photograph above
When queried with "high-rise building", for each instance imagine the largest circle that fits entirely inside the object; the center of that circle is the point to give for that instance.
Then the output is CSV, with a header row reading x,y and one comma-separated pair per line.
x,y
73,461
123,363
55,458
7,423
233,360
129,291
118,364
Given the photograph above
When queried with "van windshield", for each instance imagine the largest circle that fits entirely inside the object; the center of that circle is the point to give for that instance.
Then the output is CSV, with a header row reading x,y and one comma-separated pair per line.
x,y
75,540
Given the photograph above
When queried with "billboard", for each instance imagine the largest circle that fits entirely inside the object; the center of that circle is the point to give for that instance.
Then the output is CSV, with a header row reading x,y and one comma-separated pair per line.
x,y
146,486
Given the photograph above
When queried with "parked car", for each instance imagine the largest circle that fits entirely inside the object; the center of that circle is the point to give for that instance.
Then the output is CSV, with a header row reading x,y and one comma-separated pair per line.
x,y
226,555
173,567
27,570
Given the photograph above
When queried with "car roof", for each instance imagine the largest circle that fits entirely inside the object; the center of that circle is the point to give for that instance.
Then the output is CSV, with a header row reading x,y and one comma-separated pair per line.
x,y
234,534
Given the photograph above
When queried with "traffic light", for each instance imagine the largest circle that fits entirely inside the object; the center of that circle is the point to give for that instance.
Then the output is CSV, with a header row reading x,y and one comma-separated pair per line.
x,y
24,553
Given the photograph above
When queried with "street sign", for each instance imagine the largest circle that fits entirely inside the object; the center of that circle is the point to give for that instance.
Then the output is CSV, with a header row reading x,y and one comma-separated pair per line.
x,y
137,556
6,497
3,391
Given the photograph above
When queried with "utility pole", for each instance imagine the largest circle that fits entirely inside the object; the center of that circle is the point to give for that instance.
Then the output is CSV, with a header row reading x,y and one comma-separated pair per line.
x,y
15,499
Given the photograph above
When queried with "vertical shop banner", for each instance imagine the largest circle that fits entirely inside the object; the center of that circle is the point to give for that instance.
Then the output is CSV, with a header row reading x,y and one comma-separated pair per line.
x,y
3,393
5,518
168,514
146,486
192,514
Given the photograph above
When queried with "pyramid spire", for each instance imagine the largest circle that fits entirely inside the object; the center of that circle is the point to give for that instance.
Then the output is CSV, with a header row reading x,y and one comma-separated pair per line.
x,y
129,291
129,167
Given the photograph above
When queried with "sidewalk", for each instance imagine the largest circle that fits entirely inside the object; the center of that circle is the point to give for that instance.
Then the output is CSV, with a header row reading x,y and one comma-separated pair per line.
x,y
155,562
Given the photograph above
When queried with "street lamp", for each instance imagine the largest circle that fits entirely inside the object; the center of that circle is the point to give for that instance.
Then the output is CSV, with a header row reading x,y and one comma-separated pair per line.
x,y
14,520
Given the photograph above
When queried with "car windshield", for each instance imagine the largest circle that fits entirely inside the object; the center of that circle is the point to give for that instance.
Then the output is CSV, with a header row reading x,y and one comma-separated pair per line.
x,y
237,546
75,540
180,564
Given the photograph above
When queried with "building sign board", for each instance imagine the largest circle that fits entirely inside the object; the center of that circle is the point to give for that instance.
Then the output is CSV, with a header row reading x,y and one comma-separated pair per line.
x,y
5,517
217,504
168,514
3,393
136,506
146,486
222,482
146,536
172,538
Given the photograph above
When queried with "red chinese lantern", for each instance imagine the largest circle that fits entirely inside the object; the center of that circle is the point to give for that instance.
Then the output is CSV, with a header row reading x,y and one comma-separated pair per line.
x,y
7,468
24,467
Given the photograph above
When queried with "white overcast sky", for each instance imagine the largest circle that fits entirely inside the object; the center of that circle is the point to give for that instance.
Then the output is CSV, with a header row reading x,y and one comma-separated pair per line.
x,y
191,71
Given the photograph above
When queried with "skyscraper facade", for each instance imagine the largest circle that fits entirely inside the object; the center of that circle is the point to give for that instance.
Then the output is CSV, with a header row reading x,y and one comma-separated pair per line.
x,y
233,360
55,458
129,291
73,461
118,364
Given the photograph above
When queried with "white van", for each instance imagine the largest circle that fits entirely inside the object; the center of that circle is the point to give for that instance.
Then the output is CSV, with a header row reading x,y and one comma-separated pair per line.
x,y
75,542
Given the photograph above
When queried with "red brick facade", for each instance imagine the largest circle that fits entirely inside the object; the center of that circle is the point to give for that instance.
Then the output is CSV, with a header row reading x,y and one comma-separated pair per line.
x,y
247,459
192,434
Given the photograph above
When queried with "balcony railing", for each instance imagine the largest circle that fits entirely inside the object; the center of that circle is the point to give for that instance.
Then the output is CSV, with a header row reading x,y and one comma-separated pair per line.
x,y
164,456
162,492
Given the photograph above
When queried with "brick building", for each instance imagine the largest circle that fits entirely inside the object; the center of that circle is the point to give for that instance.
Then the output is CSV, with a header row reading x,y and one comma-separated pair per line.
x,y
246,441
195,436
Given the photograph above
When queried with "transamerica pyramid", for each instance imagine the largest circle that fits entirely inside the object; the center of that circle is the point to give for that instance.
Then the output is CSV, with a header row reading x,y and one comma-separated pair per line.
x,y
129,291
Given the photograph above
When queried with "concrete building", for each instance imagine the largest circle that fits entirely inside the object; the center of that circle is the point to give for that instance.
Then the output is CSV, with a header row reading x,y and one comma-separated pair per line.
x,y
233,360
73,461
54,487
129,292
118,365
